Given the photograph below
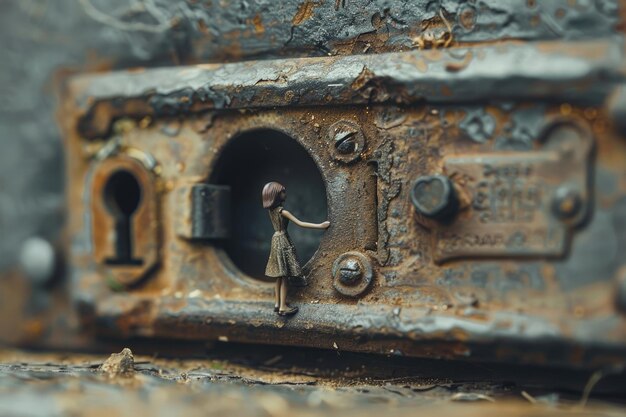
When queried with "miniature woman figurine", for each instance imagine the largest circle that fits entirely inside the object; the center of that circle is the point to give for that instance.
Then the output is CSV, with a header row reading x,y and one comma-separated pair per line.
x,y
283,262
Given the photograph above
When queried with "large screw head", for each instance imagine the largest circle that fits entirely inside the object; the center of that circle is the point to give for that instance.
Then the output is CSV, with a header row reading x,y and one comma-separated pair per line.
x,y
352,274
346,141
350,271
434,197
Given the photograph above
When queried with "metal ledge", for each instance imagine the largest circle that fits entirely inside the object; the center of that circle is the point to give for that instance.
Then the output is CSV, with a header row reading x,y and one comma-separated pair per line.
x,y
579,72
372,328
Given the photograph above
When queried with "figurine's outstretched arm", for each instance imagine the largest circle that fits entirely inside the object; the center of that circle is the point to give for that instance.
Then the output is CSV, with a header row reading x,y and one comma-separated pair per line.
x,y
300,223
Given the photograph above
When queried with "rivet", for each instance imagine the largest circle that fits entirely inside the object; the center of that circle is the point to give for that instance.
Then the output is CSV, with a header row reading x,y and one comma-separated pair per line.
x,y
566,203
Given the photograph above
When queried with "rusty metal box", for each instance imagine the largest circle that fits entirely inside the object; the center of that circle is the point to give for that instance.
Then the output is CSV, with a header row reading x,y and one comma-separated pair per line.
x,y
477,197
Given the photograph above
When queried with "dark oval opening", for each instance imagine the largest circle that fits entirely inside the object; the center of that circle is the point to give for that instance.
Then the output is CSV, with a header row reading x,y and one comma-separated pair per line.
x,y
122,193
246,164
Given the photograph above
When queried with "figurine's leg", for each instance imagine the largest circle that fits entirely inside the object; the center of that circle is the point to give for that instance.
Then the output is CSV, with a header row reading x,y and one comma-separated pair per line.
x,y
279,280
284,308
283,294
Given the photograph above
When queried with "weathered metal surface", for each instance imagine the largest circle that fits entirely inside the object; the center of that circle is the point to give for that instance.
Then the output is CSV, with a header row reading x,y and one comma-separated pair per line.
x,y
469,94
581,72
401,116
520,204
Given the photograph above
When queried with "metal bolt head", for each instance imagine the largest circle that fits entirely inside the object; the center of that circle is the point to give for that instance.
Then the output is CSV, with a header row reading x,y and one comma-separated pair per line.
x,y
350,271
434,197
566,203
346,140
352,274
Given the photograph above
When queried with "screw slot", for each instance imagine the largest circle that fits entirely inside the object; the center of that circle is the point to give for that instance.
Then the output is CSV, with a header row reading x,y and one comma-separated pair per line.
x,y
350,271
352,274
347,141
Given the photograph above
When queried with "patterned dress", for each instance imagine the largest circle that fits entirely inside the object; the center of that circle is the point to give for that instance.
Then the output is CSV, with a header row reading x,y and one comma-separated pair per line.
x,y
283,261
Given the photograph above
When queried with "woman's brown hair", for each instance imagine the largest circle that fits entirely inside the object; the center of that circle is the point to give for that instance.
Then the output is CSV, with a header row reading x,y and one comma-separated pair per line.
x,y
271,194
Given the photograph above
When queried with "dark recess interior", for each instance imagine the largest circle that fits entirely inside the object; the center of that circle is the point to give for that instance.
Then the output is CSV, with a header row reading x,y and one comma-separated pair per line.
x,y
246,164
122,196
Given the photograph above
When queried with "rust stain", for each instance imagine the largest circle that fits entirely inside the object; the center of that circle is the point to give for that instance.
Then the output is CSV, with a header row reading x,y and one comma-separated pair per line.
x,y
305,12
258,24
364,77
459,66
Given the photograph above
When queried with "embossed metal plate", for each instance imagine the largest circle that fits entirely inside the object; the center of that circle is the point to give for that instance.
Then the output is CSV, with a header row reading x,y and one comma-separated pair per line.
x,y
514,198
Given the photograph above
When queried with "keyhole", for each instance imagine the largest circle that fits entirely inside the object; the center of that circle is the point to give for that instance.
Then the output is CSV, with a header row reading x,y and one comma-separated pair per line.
x,y
122,195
